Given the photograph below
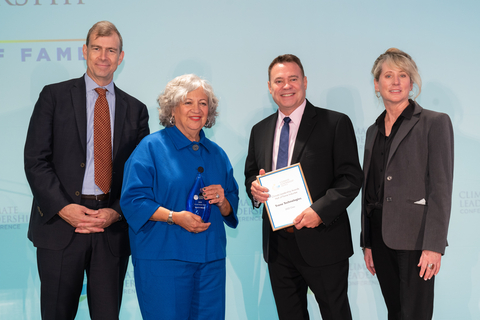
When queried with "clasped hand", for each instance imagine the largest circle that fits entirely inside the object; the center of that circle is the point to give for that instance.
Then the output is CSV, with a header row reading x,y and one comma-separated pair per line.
x,y
86,220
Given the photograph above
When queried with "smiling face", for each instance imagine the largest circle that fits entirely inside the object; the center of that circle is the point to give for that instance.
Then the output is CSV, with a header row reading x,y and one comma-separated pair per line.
x,y
394,85
287,86
191,114
103,57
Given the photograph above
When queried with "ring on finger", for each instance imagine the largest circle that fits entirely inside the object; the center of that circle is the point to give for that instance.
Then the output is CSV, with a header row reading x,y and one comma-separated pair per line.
x,y
430,266
217,196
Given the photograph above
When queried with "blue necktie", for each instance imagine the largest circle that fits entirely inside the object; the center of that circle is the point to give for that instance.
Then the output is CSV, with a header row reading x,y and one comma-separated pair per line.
x,y
282,159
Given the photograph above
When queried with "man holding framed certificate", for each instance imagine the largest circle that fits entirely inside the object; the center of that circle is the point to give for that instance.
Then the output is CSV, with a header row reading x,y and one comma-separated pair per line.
x,y
313,250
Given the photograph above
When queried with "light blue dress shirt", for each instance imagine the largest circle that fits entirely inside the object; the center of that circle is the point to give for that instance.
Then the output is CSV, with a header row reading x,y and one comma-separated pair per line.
x,y
89,186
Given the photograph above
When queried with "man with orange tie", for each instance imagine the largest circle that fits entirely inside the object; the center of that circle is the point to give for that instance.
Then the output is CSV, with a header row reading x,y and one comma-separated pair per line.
x,y
81,133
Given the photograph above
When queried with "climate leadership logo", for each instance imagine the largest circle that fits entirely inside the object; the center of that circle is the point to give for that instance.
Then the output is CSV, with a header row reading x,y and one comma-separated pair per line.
x,y
469,201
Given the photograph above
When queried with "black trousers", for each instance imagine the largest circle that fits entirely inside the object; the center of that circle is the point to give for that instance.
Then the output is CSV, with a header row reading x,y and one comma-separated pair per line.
x,y
62,273
291,277
407,296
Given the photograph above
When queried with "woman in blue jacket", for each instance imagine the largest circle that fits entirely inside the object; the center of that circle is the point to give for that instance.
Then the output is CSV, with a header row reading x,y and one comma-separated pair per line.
x,y
179,259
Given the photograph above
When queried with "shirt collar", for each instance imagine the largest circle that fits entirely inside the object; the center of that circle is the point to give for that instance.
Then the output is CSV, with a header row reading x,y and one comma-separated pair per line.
x,y
407,113
295,116
180,141
91,85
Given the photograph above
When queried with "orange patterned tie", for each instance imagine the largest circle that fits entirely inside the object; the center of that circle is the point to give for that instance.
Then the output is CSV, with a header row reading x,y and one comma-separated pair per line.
x,y
102,142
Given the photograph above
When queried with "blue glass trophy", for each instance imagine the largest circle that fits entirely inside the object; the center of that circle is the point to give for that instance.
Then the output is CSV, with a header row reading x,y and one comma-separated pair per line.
x,y
195,201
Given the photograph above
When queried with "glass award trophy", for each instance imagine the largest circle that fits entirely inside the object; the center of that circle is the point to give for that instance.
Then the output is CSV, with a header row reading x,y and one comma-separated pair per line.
x,y
195,202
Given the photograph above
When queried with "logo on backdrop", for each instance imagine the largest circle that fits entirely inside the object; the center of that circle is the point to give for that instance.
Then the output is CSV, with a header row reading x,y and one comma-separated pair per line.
x,y
359,275
129,283
45,52
469,201
360,133
11,218
246,212
57,54
21,3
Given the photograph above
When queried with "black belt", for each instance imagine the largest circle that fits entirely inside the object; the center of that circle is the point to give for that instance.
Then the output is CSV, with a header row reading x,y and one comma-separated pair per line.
x,y
98,197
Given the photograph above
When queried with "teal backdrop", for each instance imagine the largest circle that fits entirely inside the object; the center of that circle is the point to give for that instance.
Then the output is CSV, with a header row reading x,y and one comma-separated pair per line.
x,y
231,43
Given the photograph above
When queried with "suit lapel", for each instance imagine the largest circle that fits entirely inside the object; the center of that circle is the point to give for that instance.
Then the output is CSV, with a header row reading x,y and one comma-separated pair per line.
x,y
304,131
369,141
269,136
120,113
404,129
79,101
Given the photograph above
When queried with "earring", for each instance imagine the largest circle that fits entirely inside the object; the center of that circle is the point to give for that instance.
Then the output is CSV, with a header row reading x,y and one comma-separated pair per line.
x,y
172,120
207,124
377,94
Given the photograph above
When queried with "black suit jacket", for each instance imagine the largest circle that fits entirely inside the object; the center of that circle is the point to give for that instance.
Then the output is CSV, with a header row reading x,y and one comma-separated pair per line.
x,y
326,148
55,156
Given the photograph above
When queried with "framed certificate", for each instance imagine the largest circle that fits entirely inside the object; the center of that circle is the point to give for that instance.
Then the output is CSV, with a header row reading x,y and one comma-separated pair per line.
x,y
289,195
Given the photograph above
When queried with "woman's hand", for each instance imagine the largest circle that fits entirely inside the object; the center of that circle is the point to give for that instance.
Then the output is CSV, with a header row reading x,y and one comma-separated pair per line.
x,y
367,256
429,264
216,195
190,222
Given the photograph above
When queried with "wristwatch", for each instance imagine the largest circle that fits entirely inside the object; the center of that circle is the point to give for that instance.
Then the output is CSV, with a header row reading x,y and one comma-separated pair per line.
x,y
170,218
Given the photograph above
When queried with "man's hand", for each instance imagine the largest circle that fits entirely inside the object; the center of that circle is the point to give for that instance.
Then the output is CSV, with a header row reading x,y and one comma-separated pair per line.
x,y
308,219
258,192
103,218
367,256
84,220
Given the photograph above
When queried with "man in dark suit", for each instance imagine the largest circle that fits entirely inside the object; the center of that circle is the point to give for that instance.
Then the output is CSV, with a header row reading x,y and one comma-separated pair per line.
x,y
76,221
314,253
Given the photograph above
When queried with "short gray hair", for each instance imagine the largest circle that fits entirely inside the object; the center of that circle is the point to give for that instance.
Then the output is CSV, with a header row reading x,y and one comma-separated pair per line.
x,y
176,91
401,60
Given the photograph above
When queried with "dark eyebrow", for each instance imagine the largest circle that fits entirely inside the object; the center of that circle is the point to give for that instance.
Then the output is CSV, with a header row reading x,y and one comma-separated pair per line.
x,y
108,48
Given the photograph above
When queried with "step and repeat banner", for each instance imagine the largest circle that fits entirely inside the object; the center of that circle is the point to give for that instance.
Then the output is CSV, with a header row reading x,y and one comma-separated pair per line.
x,y
231,44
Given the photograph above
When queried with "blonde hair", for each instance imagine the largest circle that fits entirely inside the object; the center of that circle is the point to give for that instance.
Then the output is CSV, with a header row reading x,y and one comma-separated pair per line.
x,y
401,60
104,29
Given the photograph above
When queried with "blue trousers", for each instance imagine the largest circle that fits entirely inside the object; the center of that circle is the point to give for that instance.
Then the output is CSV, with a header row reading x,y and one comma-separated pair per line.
x,y
177,290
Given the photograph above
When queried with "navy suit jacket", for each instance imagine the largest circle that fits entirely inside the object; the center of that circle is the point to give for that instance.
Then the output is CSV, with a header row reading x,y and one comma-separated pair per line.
x,y
418,183
326,148
55,156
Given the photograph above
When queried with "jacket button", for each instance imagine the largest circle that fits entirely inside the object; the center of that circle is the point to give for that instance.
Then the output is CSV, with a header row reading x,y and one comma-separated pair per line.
x,y
389,178
77,193
82,165
389,199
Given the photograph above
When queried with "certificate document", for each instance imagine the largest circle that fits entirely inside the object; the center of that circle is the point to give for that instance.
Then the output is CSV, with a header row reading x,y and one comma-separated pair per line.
x,y
289,195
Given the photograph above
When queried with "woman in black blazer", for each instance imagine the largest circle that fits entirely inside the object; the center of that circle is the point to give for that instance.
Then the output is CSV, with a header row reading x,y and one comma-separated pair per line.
x,y
406,202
